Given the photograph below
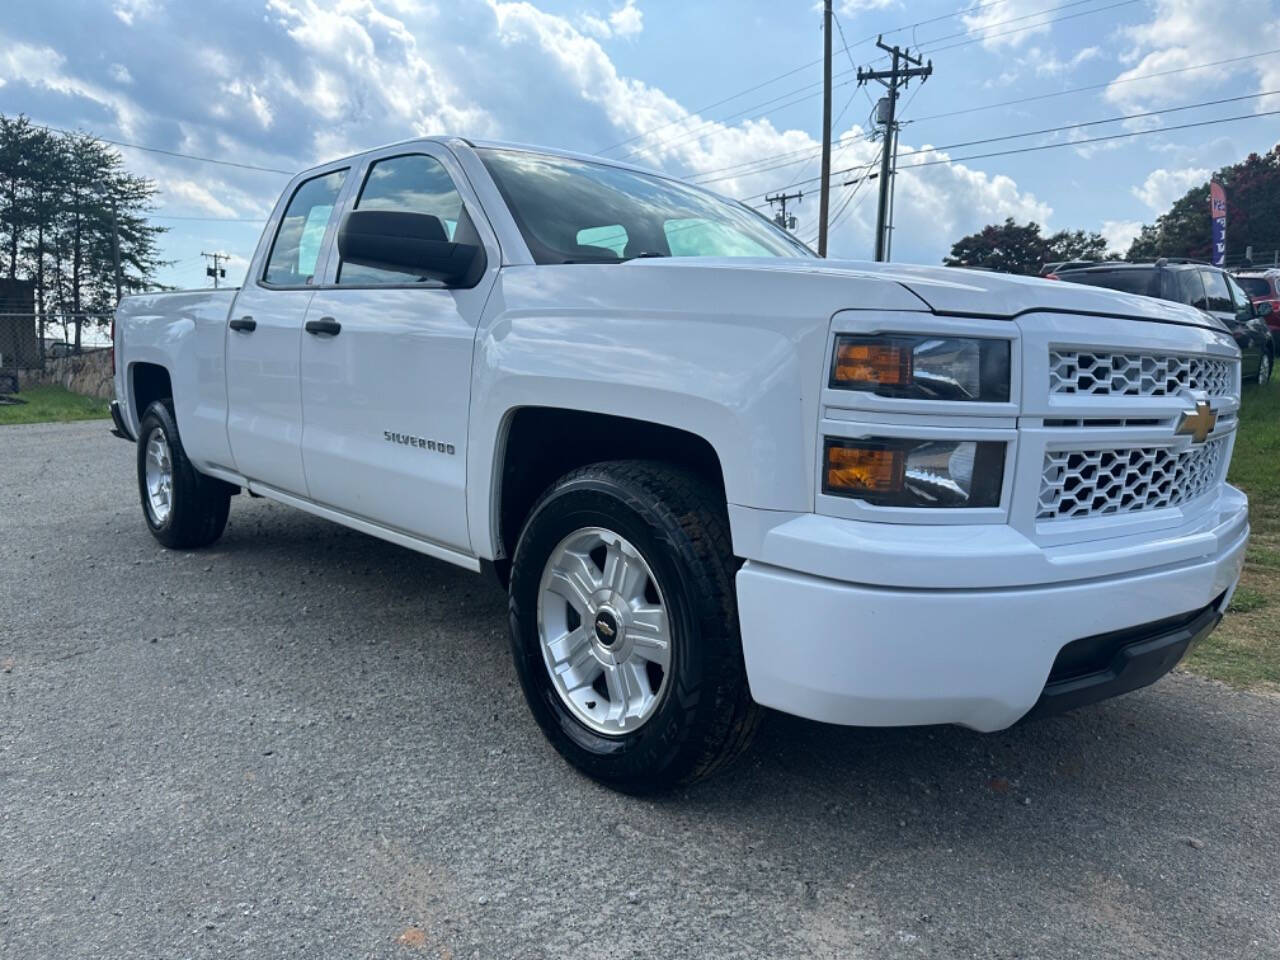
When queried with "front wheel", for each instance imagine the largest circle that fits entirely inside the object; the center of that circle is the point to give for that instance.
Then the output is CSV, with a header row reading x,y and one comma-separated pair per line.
x,y
183,508
624,625
1264,369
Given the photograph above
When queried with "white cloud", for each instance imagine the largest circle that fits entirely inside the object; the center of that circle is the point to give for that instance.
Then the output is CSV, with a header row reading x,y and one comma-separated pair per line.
x,y
1184,33
626,21
120,73
1120,233
1006,25
187,194
1162,186
129,10
1046,63
314,79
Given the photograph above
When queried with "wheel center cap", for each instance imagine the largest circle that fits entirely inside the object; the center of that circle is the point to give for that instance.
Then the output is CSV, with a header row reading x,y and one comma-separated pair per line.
x,y
607,629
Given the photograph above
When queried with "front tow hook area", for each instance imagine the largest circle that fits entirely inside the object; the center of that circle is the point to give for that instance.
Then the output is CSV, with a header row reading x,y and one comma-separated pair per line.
x,y
1109,664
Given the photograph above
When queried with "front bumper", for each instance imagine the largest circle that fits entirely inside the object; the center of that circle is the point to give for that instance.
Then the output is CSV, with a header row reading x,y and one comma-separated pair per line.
x,y
980,656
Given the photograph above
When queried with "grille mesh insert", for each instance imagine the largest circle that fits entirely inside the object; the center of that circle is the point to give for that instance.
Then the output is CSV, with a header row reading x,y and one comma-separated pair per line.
x,y
1093,483
1136,374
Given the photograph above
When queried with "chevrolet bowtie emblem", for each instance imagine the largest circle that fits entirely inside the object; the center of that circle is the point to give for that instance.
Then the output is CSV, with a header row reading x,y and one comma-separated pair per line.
x,y
1198,423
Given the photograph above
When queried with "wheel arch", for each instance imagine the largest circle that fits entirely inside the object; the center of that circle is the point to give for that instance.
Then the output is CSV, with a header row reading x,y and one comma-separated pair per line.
x,y
533,450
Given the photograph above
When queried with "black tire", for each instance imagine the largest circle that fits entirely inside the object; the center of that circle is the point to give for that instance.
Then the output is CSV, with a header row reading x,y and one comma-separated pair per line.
x,y
199,504
705,716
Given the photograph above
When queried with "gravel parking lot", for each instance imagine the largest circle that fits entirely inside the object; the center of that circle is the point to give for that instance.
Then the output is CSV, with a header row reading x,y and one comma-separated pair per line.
x,y
306,742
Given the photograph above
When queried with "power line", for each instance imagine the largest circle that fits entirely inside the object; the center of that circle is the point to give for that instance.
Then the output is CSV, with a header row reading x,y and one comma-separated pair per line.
x,y
170,153
812,63
806,92
984,35
812,151
1113,136
170,216
1094,86
1094,123
1070,143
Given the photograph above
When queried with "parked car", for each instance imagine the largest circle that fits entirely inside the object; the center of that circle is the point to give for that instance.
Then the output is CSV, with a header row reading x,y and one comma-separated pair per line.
x,y
713,472
1200,285
1263,287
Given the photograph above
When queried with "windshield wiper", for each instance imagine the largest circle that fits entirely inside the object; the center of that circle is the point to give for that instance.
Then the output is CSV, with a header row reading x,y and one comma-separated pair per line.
x,y
646,255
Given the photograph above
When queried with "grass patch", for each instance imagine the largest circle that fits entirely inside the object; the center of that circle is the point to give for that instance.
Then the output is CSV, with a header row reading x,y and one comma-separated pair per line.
x,y
1245,650
52,405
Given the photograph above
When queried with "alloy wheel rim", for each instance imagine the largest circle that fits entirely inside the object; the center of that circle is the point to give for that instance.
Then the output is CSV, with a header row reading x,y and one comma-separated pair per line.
x,y
159,477
604,631
1265,374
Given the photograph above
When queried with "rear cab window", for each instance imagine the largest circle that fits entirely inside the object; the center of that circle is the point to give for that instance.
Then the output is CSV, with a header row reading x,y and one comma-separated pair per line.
x,y
1128,280
295,250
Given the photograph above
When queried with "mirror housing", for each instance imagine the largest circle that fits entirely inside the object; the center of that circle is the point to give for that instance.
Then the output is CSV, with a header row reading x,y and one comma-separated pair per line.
x,y
409,243
1263,309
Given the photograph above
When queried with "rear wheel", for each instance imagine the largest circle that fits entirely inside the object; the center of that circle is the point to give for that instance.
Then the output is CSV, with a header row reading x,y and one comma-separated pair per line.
x,y
624,625
183,508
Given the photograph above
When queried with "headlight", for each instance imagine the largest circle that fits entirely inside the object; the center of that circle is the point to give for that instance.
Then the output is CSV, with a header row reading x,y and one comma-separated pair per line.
x,y
894,472
922,367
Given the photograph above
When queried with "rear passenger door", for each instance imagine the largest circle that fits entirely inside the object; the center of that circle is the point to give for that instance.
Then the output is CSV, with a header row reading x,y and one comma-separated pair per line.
x,y
385,400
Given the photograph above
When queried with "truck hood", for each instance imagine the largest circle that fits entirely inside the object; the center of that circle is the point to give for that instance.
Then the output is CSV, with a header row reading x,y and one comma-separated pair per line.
x,y
979,293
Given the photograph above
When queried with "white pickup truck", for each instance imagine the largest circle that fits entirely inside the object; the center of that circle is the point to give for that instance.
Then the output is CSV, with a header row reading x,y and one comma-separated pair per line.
x,y
715,472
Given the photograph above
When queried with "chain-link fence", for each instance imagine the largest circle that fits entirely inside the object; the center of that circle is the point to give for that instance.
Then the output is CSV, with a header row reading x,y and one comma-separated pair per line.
x,y
28,346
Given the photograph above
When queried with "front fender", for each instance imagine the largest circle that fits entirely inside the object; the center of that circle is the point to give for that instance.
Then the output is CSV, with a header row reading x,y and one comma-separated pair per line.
x,y
740,368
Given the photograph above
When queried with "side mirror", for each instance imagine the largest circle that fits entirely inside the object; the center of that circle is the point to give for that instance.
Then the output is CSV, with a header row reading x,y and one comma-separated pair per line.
x,y
409,243
1263,309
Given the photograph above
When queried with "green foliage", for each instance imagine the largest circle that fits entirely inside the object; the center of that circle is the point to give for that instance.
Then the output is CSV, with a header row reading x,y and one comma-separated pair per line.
x,y
1014,248
61,196
52,405
1253,215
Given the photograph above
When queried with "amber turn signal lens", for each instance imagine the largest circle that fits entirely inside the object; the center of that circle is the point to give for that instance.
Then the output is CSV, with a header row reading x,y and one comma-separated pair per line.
x,y
867,362
858,470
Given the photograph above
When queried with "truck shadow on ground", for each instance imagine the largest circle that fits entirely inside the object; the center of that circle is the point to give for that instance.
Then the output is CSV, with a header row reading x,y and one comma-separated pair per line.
x,y
1131,758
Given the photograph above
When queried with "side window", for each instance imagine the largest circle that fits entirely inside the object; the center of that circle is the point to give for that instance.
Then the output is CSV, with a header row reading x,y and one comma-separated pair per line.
x,y
414,183
296,248
1215,288
1243,305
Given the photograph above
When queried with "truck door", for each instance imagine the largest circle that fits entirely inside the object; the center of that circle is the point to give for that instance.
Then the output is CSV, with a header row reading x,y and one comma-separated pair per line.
x,y
264,393
386,364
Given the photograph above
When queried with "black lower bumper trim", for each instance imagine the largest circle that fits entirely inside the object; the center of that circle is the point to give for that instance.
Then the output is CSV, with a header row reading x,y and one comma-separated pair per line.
x,y
120,429
1122,661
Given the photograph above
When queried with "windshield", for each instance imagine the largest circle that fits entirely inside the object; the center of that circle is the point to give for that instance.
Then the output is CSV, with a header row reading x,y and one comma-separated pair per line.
x,y
1255,286
575,211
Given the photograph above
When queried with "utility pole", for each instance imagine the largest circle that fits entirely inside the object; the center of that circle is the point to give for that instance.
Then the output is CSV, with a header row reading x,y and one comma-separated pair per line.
x,y
217,271
781,218
904,67
824,200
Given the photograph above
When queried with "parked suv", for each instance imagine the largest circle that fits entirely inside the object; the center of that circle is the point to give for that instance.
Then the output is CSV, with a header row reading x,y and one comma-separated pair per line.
x,y
1263,287
1201,285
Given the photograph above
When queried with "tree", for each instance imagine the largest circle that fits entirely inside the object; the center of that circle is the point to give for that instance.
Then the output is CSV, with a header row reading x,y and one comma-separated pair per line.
x,y
1253,215
57,197
1014,248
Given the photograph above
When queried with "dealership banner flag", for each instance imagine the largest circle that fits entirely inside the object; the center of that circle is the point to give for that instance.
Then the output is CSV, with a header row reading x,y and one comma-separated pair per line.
x,y
1218,211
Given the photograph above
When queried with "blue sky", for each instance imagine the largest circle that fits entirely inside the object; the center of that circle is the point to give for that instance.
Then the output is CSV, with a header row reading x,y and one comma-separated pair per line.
x,y
286,83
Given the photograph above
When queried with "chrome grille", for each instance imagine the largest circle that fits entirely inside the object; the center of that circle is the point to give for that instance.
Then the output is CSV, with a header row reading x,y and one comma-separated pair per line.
x,y
1098,482
1080,372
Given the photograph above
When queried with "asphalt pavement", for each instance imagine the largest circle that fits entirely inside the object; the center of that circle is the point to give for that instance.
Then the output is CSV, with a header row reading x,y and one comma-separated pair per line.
x,y
304,742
